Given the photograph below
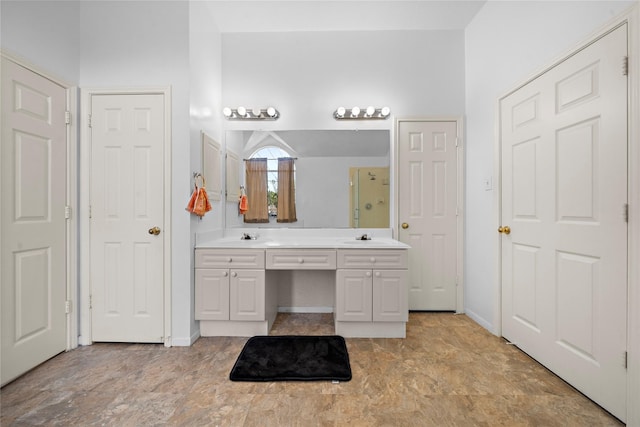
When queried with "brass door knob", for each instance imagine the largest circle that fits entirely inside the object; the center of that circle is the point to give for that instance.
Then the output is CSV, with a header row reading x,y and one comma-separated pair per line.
x,y
505,229
155,231
405,225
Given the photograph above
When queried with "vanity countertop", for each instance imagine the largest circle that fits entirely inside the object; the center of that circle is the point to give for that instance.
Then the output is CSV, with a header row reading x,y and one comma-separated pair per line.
x,y
300,239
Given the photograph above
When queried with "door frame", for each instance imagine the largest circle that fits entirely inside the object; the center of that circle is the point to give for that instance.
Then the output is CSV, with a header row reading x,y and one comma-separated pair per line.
x,y
71,196
632,19
85,195
459,193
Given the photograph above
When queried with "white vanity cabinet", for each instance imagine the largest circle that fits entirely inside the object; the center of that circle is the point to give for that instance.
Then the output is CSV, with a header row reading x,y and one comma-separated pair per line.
x,y
371,286
230,285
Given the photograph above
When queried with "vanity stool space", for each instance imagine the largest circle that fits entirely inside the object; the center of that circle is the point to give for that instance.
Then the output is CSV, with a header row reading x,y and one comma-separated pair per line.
x,y
235,294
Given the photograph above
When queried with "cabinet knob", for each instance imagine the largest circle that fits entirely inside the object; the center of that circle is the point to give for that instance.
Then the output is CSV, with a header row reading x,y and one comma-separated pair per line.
x,y
229,259
225,274
377,274
368,274
300,260
372,259
234,274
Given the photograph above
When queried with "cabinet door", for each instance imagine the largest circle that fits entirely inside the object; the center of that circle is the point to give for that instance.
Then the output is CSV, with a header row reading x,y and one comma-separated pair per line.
x,y
353,295
247,295
390,296
212,294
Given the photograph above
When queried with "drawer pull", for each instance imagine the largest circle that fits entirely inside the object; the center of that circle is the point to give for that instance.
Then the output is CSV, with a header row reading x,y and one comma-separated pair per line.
x,y
372,259
229,259
300,260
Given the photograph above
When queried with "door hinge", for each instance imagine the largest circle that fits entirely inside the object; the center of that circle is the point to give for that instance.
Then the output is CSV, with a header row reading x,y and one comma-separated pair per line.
x,y
625,66
67,307
67,117
625,212
626,359
90,302
67,212
90,120
89,211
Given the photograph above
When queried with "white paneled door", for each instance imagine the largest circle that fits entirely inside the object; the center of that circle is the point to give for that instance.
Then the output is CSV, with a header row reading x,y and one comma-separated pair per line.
x,y
427,203
127,220
34,183
564,196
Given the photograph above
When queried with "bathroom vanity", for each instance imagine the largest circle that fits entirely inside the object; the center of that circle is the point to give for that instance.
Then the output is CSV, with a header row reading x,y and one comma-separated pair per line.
x,y
236,288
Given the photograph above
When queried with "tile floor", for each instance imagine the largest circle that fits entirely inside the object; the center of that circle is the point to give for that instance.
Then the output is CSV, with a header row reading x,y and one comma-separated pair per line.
x,y
447,372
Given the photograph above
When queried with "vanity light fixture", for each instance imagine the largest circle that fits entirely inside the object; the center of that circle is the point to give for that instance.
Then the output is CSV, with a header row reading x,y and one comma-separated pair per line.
x,y
356,113
242,113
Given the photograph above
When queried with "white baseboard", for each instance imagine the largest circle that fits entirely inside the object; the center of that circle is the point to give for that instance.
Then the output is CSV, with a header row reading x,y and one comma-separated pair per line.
x,y
184,341
479,320
305,309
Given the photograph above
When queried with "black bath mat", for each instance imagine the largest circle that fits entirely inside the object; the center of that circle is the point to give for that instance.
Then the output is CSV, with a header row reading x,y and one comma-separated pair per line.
x,y
293,358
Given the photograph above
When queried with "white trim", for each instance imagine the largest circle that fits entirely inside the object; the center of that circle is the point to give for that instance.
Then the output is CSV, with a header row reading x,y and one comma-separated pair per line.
x,y
182,342
85,175
71,102
72,223
632,19
459,195
633,310
23,62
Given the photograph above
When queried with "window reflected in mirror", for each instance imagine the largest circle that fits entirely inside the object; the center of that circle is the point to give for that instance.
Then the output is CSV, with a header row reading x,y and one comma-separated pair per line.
x,y
270,178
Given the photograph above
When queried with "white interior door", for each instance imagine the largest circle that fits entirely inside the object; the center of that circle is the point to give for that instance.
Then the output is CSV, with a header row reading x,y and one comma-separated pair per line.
x,y
564,192
427,194
34,171
127,200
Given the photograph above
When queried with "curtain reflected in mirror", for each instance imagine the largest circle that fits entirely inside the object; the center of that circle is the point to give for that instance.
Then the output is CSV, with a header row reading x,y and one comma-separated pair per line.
x,y
286,190
256,178
369,207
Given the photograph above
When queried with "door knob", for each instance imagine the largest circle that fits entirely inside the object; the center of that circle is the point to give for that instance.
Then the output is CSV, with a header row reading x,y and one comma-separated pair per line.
x,y
505,229
405,225
155,231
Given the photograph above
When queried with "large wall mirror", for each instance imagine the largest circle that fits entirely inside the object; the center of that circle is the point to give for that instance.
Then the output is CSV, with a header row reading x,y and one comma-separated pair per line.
x,y
342,177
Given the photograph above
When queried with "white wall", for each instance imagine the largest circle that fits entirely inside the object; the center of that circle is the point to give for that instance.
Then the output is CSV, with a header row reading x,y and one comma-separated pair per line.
x,y
146,44
506,43
307,75
205,116
44,33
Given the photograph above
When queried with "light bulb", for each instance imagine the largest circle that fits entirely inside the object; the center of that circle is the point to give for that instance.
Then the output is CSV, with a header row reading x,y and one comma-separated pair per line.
x,y
355,112
271,112
370,111
385,111
226,111
340,112
242,111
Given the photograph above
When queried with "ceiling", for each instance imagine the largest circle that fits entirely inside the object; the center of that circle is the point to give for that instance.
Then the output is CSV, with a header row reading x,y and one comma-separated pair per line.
x,y
242,16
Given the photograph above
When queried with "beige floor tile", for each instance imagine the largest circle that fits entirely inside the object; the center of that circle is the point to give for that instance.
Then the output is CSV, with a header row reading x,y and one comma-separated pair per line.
x,y
447,372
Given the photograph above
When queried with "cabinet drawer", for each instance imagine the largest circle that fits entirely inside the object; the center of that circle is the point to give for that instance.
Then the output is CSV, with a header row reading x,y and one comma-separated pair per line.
x,y
372,258
305,259
229,258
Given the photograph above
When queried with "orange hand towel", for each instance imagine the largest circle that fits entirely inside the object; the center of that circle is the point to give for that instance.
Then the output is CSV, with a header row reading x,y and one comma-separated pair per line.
x,y
202,204
192,201
243,205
